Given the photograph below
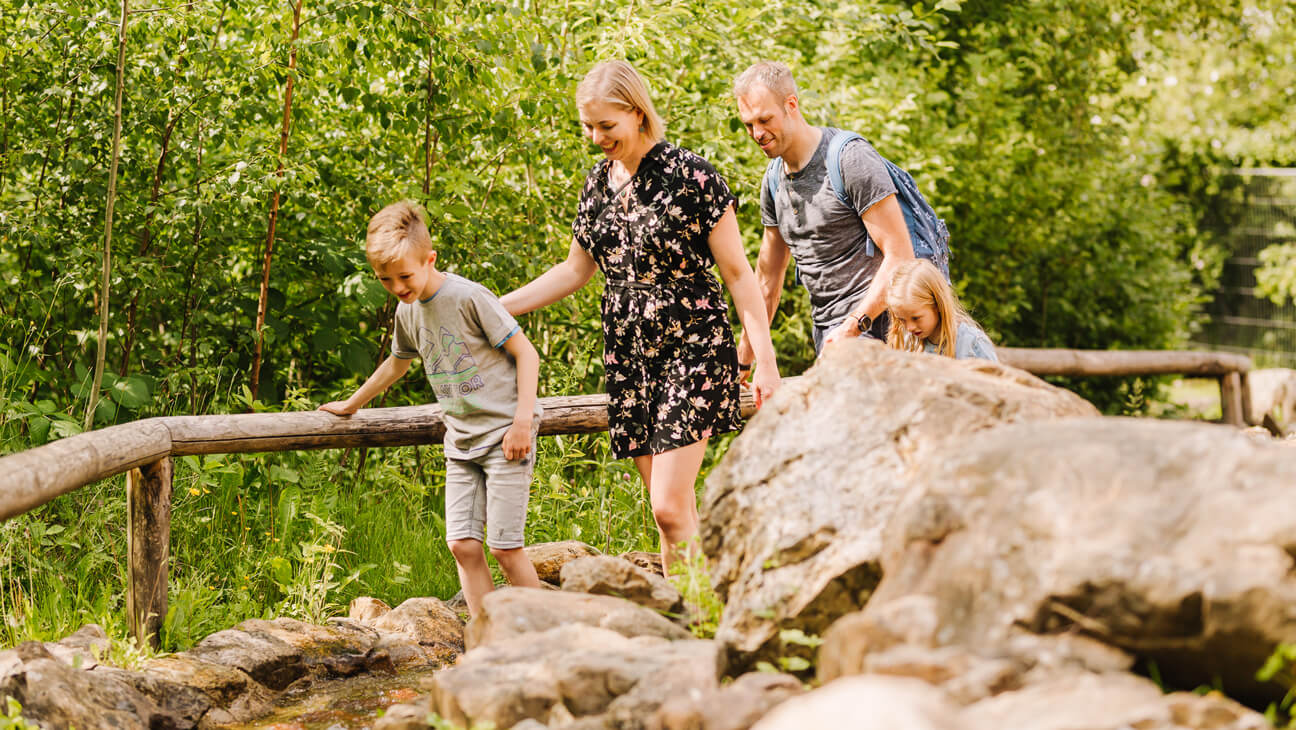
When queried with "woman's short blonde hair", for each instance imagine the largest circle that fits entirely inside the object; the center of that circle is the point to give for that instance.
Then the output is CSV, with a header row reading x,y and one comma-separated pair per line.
x,y
919,283
617,83
397,231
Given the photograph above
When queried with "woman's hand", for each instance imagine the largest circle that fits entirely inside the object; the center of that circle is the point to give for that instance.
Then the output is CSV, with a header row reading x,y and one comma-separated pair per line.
x,y
765,381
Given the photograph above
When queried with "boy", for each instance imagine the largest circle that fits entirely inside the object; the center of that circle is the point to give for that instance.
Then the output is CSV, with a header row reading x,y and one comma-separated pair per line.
x,y
483,371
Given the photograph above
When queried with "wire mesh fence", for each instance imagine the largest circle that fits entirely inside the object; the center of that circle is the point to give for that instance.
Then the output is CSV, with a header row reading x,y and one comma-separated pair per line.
x,y
1261,213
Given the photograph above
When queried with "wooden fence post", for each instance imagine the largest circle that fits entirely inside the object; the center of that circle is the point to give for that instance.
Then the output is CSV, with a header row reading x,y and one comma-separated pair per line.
x,y
148,536
1231,407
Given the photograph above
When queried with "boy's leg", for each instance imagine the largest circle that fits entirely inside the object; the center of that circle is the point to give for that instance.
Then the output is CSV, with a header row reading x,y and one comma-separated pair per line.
x,y
670,477
465,517
508,489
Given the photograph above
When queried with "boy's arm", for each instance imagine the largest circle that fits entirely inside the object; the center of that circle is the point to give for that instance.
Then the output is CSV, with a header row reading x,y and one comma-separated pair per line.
x,y
517,440
387,372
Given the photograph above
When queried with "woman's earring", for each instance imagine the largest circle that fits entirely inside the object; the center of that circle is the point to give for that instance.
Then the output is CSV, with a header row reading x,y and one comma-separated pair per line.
x,y
641,129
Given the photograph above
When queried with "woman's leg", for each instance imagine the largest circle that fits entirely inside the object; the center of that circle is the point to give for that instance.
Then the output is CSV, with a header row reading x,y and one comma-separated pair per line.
x,y
670,477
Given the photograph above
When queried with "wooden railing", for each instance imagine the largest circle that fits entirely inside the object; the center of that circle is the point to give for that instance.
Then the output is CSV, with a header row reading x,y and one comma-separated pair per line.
x,y
144,449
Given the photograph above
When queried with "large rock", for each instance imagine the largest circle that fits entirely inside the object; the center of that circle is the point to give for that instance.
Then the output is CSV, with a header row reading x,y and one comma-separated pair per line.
x,y
265,657
420,630
868,703
1107,702
57,695
735,706
550,557
510,612
793,517
1170,541
606,575
572,674
233,695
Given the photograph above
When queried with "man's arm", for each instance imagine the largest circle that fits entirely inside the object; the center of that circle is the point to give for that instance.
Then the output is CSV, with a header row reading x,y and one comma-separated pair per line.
x,y
517,440
771,268
387,372
885,224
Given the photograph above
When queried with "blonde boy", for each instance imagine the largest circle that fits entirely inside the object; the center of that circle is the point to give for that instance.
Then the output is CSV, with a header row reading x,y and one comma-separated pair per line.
x,y
483,371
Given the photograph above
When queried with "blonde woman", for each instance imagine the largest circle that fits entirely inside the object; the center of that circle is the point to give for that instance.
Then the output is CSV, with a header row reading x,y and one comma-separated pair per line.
x,y
654,218
926,315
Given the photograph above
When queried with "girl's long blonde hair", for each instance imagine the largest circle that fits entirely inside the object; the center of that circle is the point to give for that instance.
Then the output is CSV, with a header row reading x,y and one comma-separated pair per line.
x,y
918,283
617,83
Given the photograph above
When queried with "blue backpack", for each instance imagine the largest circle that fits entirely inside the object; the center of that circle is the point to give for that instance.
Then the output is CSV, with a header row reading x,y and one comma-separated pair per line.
x,y
928,233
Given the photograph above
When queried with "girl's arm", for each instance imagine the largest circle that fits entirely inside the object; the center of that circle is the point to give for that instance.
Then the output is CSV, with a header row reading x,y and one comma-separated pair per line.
x,y
560,280
726,247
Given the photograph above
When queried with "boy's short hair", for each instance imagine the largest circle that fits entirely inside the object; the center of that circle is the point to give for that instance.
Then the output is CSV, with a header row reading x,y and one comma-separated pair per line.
x,y
397,231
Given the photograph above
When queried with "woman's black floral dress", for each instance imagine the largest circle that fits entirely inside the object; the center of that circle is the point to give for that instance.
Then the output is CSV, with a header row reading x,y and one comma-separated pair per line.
x,y
667,346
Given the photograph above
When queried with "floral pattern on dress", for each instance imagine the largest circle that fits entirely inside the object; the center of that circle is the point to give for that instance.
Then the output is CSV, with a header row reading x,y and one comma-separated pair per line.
x,y
668,349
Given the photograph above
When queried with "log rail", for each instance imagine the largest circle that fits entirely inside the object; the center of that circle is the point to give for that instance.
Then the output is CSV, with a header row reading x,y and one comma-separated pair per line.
x,y
144,449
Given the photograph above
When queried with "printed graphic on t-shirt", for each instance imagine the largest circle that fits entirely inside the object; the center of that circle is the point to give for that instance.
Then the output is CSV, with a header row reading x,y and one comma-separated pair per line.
x,y
451,370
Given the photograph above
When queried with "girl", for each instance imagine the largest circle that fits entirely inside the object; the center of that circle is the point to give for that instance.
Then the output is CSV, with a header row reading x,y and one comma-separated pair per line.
x,y
654,218
926,315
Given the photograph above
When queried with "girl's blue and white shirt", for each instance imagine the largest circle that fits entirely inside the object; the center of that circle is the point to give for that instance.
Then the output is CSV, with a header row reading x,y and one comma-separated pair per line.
x,y
969,341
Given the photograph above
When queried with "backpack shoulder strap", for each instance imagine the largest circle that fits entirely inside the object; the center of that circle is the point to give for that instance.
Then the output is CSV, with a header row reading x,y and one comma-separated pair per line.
x,y
834,165
773,171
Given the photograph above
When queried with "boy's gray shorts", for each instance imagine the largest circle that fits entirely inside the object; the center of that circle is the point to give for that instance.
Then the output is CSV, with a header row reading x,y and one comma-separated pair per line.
x,y
488,489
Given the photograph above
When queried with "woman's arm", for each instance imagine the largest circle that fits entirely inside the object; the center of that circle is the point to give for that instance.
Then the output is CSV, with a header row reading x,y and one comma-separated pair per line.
x,y
560,280
726,247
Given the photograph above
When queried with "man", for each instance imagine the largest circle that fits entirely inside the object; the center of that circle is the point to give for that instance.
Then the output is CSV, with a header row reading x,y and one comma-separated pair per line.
x,y
804,219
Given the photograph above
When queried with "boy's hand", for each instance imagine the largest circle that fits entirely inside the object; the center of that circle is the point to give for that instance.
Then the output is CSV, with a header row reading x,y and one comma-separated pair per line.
x,y
517,441
338,408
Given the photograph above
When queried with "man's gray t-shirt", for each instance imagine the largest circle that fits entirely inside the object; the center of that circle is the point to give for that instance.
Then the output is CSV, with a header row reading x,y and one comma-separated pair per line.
x,y
459,333
827,239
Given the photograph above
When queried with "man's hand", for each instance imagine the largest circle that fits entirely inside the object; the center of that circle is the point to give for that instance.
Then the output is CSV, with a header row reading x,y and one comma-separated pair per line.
x,y
517,441
847,330
338,408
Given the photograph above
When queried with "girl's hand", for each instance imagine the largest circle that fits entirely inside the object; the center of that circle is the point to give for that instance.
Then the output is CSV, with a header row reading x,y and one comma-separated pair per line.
x,y
765,381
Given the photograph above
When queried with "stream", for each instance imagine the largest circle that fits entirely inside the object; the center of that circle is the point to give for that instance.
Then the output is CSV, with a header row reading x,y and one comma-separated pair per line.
x,y
338,704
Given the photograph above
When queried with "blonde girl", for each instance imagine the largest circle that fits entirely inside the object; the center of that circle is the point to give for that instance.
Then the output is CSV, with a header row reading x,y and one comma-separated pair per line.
x,y
926,315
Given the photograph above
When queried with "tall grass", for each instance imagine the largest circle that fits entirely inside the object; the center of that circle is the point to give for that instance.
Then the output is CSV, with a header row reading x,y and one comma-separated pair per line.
x,y
294,534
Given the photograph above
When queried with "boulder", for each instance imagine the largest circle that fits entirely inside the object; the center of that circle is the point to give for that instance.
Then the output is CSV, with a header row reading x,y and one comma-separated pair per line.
x,y
1172,542
366,608
509,612
56,695
1107,702
234,696
1273,393
339,649
793,517
611,576
869,703
549,557
650,562
266,658
735,706
572,673
409,716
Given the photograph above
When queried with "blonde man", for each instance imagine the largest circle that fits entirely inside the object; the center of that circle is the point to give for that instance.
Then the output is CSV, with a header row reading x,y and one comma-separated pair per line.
x,y
846,250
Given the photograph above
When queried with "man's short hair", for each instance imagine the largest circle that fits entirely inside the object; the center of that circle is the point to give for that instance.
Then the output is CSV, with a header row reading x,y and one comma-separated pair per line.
x,y
775,76
397,231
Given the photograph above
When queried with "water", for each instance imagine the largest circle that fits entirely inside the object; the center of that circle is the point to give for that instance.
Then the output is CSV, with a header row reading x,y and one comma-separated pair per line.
x,y
339,704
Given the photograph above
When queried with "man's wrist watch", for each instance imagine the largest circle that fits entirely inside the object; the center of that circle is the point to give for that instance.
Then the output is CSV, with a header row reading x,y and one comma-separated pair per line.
x,y
864,323
742,368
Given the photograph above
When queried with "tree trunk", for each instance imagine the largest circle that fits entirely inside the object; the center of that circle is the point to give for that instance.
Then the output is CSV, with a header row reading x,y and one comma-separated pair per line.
x,y
274,203
146,238
108,222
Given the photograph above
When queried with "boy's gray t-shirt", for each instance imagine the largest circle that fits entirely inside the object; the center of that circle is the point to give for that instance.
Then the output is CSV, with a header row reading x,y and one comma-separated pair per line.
x,y
827,239
460,333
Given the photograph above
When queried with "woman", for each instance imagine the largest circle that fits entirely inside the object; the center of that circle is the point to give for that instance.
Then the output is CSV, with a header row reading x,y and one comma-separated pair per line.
x,y
654,218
